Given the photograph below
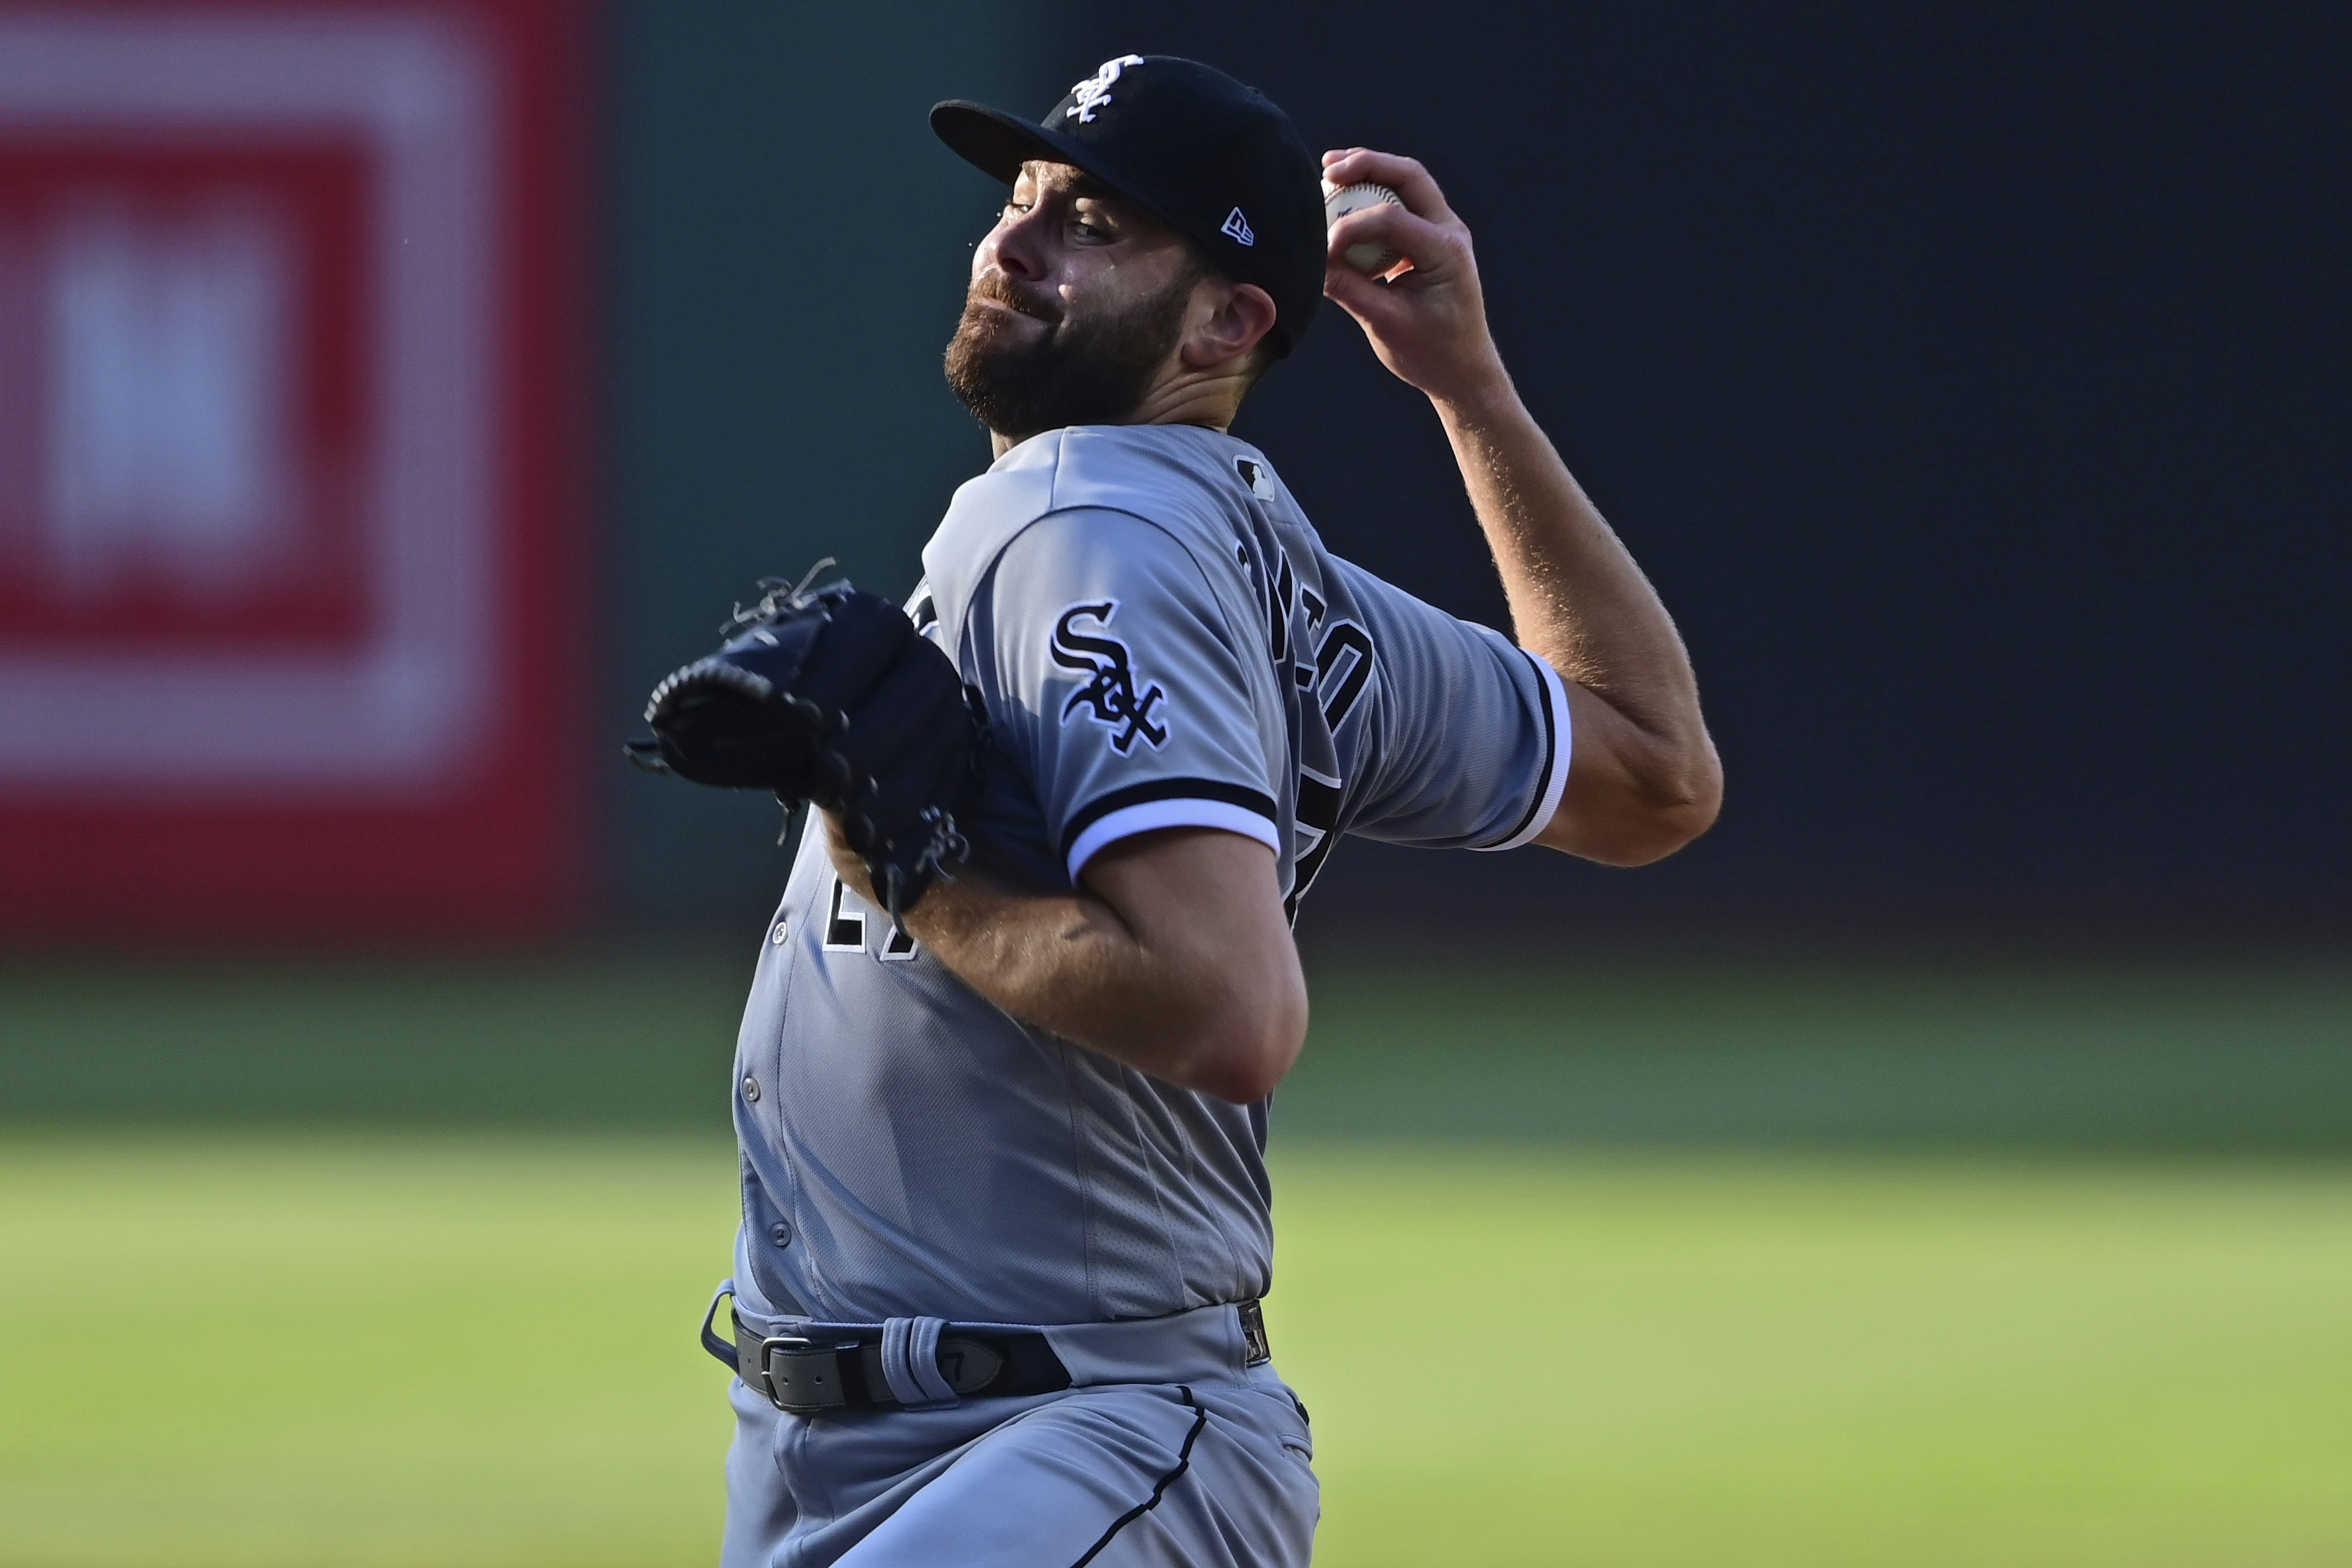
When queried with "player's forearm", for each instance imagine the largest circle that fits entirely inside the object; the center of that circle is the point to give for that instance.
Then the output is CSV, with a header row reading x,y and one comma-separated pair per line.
x,y
1576,596
1175,959
1577,599
1071,965
1641,778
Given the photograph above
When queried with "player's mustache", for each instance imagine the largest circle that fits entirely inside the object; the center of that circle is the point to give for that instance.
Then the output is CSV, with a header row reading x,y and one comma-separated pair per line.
x,y
996,287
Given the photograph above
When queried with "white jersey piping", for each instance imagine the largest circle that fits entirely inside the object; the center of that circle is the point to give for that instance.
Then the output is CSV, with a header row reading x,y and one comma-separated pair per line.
x,y
1559,740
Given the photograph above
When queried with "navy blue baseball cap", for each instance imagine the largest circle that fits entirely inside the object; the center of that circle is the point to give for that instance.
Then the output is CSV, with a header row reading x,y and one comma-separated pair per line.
x,y
1218,161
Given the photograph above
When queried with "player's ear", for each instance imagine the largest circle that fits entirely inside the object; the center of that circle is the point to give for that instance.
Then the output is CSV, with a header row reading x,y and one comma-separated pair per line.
x,y
1228,320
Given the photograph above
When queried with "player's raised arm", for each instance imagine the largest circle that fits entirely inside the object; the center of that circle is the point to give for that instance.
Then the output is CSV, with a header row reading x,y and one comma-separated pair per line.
x,y
1643,778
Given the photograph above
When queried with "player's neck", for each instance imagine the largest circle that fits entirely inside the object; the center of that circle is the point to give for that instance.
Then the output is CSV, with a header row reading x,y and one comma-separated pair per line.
x,y
1188,394
1209,399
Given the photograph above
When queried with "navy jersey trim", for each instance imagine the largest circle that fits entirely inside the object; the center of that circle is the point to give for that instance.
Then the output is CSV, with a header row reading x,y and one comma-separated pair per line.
x,y
1249,800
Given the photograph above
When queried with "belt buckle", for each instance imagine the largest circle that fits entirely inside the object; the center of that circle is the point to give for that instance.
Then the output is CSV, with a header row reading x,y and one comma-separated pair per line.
x,y
1256,1348
801,1377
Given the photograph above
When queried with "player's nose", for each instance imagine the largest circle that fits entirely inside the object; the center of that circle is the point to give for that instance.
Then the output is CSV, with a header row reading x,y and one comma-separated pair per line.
x,y
1016,246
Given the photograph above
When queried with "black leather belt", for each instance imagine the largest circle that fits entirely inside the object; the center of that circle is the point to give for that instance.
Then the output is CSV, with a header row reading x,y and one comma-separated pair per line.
x,y
809,1376
806,1376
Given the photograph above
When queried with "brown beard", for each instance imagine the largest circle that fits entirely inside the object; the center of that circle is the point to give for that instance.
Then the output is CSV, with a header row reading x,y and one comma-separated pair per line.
x,y
1085,371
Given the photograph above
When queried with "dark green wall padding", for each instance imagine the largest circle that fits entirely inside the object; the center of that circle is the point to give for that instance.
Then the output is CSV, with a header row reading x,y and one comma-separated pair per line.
x,y
787,246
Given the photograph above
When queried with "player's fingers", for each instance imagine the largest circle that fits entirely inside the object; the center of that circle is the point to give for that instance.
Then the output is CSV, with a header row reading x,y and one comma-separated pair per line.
x,y
1359,294
1387,306
1405,176
1438,253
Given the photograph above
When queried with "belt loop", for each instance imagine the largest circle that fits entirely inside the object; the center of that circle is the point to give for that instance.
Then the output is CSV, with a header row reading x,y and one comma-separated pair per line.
x,y
711,1341
910,1363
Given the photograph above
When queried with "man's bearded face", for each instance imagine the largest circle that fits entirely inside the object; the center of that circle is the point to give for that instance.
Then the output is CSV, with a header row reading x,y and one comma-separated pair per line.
x,y
1089,368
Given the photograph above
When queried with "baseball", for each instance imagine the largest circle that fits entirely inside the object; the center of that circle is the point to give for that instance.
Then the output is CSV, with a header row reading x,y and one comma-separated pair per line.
x,y
1370,256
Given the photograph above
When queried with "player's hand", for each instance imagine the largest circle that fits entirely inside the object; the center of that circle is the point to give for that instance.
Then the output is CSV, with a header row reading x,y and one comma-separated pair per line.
x,y
1428,322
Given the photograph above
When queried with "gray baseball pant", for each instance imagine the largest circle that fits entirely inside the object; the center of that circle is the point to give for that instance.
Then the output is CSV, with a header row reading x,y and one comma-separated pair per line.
x,y
1168,1451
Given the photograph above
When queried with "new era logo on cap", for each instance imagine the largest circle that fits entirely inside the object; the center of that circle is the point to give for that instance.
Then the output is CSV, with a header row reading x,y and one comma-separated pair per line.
x,y
1237,227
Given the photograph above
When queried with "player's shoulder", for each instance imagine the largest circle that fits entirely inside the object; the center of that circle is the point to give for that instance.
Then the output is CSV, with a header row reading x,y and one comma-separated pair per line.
x,y
1169,474
1139,493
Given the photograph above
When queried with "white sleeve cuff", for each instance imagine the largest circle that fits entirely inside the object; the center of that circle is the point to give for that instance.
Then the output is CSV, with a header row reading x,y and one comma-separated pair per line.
x,y
1129,820
1557,742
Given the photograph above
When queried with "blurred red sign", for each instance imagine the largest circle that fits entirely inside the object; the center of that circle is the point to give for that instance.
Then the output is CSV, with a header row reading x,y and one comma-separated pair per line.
x,y
287,368
184,392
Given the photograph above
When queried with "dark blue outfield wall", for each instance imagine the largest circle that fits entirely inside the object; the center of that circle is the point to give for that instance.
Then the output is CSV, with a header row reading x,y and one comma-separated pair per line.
x,y
1969,378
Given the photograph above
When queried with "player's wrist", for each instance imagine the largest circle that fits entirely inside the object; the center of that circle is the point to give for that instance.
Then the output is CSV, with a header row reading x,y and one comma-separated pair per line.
x,y
1480,393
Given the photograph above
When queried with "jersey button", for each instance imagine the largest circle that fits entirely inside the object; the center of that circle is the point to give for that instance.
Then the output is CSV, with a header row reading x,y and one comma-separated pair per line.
x,y
751,1089
781,1234
776,937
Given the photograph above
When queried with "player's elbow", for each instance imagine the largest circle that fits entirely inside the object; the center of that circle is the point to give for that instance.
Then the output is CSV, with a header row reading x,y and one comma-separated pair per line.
x,y
1660,834
1247,1047
1674,817
1647,818
1245,1075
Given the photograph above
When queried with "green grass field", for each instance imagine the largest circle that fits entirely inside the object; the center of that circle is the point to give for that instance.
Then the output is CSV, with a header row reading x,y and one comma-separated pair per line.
x,y
1740,1267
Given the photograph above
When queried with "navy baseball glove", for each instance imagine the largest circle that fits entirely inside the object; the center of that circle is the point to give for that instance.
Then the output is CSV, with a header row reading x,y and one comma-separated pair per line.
x,y
831,696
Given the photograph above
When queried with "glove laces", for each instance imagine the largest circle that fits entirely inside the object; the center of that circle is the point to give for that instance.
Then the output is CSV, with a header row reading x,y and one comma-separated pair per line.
x,y
775,598
947,842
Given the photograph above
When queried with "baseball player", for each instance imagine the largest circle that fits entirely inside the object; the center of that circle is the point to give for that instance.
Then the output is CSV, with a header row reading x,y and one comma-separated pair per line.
x,y
1005,1208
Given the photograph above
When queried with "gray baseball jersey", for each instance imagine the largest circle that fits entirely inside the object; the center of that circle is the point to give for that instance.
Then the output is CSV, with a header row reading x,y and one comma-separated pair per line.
x,y
1160,639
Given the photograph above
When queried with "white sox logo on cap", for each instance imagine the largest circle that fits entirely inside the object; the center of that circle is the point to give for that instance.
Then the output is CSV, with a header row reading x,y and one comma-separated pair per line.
x,y
1094,91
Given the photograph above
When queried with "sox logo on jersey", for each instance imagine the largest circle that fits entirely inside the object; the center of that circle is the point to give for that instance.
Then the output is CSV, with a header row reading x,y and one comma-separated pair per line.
x,y
1108,695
